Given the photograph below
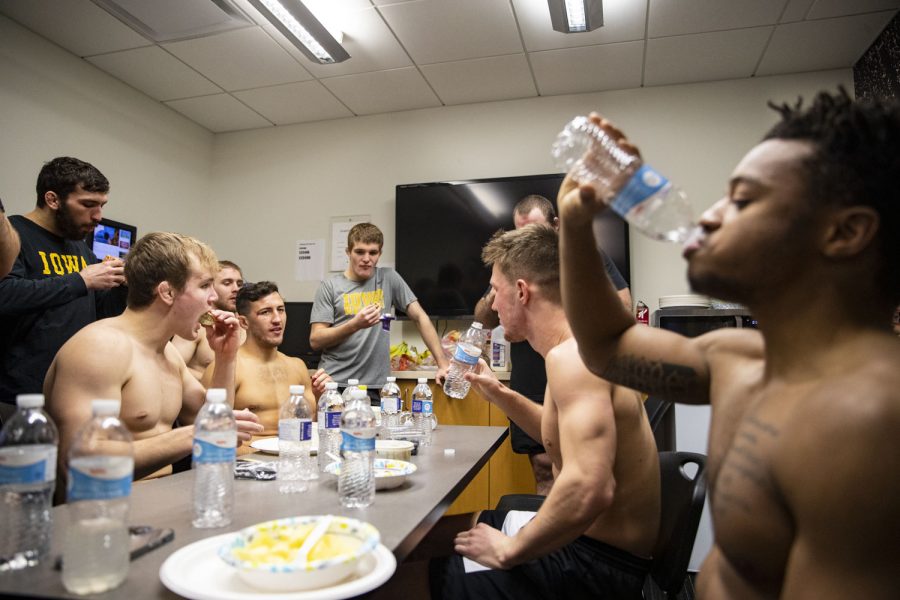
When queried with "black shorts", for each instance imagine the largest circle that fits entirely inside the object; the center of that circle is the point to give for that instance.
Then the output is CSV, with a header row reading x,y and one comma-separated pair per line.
x,y
585,568
521,442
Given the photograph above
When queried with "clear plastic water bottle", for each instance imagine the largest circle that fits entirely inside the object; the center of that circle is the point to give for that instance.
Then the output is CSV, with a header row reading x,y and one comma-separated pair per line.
x,y
294,443
356,483
28,443
352,384
422,409
215,446
390,405
96,550
465,359
331,406
640,195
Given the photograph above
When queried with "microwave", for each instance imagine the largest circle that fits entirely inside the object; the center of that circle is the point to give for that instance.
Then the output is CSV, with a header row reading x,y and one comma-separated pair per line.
x,y
692,321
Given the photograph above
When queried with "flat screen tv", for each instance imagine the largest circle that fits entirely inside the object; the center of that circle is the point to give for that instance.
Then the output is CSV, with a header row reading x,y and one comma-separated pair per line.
x,y
111,238
442,226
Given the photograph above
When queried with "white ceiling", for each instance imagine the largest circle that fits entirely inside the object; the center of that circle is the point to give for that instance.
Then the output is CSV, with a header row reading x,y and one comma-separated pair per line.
x,y
411,54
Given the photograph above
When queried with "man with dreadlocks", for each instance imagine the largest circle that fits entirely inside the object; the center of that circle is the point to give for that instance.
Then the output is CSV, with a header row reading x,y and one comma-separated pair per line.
x,y
804,451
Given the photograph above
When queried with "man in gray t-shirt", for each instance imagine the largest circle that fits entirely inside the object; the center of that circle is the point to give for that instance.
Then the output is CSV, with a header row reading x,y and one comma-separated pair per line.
x,y
346,315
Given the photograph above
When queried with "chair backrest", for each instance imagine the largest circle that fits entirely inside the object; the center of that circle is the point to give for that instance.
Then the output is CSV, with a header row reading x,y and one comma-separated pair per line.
x,y
682,504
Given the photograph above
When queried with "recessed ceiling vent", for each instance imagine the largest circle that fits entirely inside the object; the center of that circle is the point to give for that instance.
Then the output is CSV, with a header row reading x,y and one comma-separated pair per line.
x,y
169,20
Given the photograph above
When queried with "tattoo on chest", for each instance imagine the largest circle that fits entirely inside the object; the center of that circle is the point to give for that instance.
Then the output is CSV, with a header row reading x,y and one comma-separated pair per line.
x,y
652,376
745,471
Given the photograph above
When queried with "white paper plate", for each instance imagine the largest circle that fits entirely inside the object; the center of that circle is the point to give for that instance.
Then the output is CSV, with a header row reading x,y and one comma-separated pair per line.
x,y
197,572
692,300
269,445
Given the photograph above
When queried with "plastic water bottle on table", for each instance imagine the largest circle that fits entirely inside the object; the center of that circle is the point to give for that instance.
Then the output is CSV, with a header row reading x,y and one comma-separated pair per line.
x,y
28,447
294,443
215,444
331,405
96,550
356,482
422,409
390,405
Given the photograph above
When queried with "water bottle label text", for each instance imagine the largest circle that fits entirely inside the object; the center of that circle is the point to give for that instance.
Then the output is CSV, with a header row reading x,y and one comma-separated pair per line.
x,y
99,478
361,440
27,464
215,448
643,184
332,420
467,353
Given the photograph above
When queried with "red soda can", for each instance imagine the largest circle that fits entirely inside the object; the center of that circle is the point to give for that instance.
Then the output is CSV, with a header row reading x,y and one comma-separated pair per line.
x,y
642,313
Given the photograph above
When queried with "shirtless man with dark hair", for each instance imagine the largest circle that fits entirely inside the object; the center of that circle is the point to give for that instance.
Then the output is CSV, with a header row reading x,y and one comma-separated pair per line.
x,y
263,375
804,453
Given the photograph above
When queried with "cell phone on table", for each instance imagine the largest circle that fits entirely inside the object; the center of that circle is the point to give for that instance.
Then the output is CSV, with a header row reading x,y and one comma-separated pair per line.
x,y
143,539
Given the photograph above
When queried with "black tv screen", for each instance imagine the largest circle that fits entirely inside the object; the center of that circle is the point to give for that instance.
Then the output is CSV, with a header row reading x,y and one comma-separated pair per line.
x,y
442,226
111,238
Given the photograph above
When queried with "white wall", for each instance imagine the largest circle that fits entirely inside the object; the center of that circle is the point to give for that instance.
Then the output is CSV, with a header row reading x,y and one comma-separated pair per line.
x,y
275,186
252,194
54,104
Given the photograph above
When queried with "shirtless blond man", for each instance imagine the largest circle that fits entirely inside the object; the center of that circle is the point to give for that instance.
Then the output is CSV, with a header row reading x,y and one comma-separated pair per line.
x,y
804,454
593,535
196,352
130,358
264,375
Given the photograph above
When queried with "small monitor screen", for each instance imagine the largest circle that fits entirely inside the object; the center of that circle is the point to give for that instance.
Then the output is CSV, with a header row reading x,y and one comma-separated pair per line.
x,y
111,238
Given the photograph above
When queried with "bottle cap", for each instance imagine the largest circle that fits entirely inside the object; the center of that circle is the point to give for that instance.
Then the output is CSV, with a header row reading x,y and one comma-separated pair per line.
x,y
216,395
30,400
331,385
353,382
105,407
297,390
422,380
391,379
476,325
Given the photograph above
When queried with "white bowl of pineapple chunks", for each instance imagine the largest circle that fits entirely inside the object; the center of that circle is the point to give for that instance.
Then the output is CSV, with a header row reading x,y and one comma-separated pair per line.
x,y
267,555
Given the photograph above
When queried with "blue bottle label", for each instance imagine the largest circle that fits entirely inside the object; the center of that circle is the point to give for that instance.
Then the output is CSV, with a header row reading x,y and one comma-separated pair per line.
x,y
466,353
417,406
305,430
358,440
427,407
642,185
215,447
99,478
333,420
27,464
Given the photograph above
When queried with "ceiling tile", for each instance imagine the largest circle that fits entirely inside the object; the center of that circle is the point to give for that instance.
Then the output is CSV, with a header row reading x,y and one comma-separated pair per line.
x,y
623,21
677,17
383,91
588,69
821,45
704,56
294,103
823,9
441,30
219,113
481,80
74,25
239,60
155,72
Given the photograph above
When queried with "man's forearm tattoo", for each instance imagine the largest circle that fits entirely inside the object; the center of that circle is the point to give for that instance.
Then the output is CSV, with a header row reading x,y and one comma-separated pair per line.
x,y
653,376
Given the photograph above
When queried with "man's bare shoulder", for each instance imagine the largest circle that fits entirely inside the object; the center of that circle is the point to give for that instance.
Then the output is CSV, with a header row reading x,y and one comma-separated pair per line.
x,y
294,364
730,344
105,342
564,364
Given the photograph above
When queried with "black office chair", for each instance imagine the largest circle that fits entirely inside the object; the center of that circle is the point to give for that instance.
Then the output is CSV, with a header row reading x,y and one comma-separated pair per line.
x,y
682,504
529,502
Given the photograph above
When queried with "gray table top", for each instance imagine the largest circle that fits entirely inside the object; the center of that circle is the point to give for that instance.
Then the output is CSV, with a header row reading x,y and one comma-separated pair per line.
x,y
403,515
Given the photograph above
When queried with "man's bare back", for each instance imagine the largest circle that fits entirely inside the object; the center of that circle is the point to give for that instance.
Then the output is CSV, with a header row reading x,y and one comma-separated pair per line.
x,y
631,522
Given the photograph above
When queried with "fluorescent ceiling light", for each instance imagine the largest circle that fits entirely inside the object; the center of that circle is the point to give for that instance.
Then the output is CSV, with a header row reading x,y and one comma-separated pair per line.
x,y
575,16
302,29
